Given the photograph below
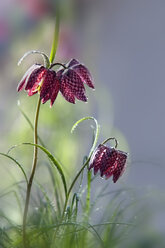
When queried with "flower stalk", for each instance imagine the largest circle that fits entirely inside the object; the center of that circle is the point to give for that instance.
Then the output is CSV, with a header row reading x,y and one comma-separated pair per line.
x,y
72,185
56,36
34,164
84,165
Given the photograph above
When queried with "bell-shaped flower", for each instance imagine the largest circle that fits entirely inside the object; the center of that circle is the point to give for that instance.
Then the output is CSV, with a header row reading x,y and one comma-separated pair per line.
x,y
42,80
69,81
72,79
109,161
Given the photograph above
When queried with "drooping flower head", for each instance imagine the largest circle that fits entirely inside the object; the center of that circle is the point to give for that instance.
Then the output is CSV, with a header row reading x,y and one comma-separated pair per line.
x,y
109,161
42,80
69,80
72,79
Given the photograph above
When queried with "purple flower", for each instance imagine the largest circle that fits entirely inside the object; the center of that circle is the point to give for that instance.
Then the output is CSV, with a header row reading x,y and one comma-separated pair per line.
x,y
72,80
42,80
109,161
69,81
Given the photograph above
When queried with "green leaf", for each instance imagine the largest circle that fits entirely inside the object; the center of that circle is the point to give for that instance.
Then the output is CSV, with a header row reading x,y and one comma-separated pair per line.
x,y
96,130
56,35
55,163
17,163
30,124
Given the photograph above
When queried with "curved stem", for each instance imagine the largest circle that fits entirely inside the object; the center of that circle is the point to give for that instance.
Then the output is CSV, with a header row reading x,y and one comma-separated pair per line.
x,y
85,164
29,185
52,65
116,142
71,187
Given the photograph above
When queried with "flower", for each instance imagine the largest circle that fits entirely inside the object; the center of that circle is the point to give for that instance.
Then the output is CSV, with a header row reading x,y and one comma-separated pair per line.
x,y
110,162
69,81
42,80
72,79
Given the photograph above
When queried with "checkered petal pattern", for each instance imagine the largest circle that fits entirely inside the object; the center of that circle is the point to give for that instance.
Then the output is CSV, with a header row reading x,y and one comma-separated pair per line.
x,y
120,168
65,88
66,92
35,81
109,161
97,158
69,80
48,86
26,76
84,73
72,62
42,80
72,81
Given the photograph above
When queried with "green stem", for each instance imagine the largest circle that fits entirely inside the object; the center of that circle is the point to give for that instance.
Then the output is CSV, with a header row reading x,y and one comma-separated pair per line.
x,y
56,37
29,185
88,193
85,164
116,142
71,187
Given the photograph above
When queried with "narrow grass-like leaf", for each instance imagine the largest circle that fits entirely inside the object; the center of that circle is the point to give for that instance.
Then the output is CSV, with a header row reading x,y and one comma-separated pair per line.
x,y
96,130
16,197
17,163
86,226
30,124
56,35
52,159
57,189
55,163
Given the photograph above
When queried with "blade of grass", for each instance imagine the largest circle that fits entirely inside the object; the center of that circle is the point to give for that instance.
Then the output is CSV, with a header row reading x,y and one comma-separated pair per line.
x,y
17,163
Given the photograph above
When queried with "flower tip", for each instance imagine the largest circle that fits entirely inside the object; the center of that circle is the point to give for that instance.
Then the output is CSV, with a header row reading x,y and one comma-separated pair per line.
x,y
18,103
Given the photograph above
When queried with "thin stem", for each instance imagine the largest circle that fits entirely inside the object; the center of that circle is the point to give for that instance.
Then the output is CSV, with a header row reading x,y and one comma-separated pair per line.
x,y
29,185
56,36
88,193
71,187
116,142
87,161
54,64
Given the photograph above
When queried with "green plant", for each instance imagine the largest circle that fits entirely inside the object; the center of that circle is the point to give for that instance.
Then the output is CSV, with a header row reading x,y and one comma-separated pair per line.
x,y
67,222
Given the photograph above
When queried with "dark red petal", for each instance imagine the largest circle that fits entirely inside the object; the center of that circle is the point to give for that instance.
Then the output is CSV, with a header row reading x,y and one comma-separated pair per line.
x,y
48,86
72,62
96,159
84,73
55,91
108,162
64,89
75,84
35,78
26,76
121,164
66,92
37,83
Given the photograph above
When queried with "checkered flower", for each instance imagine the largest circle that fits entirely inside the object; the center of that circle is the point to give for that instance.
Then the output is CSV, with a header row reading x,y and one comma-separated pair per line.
x,y
42,80
72,79
69,81
109,161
